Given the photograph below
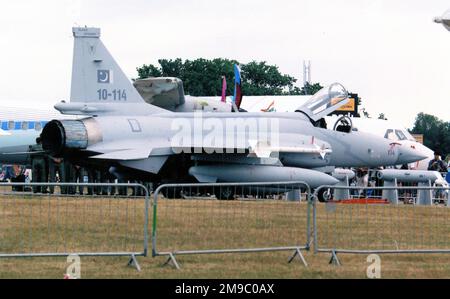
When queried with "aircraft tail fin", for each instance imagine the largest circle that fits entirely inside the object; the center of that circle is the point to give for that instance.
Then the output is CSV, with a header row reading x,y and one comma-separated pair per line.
x,y
96,76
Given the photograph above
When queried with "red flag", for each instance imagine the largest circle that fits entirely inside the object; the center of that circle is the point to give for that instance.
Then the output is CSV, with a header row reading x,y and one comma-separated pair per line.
x,y
224,89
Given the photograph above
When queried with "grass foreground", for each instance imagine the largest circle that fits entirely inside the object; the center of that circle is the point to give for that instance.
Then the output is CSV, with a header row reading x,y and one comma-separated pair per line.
x,y
56,224
244,266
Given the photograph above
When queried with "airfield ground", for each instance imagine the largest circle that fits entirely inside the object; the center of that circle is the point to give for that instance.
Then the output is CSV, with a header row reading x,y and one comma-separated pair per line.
x,y
14,210
264,266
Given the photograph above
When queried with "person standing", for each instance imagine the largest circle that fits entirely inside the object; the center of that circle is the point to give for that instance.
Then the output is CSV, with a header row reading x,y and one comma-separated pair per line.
x,y
437,164
80,177
39,167
57,173
65,174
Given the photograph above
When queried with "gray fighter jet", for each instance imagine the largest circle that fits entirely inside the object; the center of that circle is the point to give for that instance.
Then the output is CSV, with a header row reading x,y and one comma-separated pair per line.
x,y
122,132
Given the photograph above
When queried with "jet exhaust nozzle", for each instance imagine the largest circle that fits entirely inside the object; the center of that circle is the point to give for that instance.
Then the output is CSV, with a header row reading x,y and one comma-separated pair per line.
x,y
59,135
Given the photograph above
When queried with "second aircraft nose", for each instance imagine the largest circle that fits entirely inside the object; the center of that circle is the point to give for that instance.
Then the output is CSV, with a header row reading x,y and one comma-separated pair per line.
x,y
408,154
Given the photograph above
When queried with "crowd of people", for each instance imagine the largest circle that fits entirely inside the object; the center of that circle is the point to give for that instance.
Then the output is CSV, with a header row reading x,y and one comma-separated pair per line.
x,y
49,169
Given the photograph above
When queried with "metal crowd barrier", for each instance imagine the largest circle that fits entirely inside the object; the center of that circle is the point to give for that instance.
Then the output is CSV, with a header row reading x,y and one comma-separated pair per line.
x,y
57,225
368,223
189,219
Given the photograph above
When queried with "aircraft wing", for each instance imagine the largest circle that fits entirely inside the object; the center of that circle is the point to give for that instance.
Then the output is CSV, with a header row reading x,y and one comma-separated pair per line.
x,y
136,150
126,154
149,157
307,145
130,150
142,149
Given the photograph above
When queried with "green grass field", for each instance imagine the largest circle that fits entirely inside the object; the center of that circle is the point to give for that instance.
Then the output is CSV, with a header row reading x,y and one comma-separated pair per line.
x,y
105,224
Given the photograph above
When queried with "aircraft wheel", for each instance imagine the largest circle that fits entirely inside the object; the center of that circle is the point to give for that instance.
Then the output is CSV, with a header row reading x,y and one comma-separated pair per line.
x,y
224,193
324,195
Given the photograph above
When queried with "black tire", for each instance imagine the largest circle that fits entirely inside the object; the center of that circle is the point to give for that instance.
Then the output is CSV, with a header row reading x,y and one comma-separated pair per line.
x,y
224,193
324,195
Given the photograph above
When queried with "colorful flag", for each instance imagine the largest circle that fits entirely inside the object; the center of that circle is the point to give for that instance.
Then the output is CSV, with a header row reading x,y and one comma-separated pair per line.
x,y
224,89
237,86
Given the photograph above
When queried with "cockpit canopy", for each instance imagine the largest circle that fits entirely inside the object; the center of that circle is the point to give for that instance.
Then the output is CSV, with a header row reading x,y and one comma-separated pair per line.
x,y
398,135
325,101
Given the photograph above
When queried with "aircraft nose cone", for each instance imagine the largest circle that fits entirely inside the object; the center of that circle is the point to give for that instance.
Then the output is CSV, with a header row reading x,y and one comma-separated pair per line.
x,y
408,154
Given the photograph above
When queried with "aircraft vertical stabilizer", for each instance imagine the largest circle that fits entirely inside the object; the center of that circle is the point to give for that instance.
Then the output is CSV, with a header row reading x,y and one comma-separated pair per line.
x,y
96,76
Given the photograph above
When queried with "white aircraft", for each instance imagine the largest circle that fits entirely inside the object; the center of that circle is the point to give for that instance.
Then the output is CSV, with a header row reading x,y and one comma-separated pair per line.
x,y
19,128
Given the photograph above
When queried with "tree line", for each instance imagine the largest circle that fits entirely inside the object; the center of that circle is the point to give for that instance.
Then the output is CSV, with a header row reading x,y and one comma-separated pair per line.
x,y
203,77
436,132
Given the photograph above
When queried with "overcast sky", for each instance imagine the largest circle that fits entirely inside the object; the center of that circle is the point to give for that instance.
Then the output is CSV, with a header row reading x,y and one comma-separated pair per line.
x,y
389,52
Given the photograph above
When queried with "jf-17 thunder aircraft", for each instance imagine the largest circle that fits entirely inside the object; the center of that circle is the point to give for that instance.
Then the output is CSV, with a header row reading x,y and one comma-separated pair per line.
x,y
120,132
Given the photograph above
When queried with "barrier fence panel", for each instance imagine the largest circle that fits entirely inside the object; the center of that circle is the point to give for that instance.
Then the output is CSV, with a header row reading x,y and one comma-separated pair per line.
x,y
43,225
231,218
368,222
